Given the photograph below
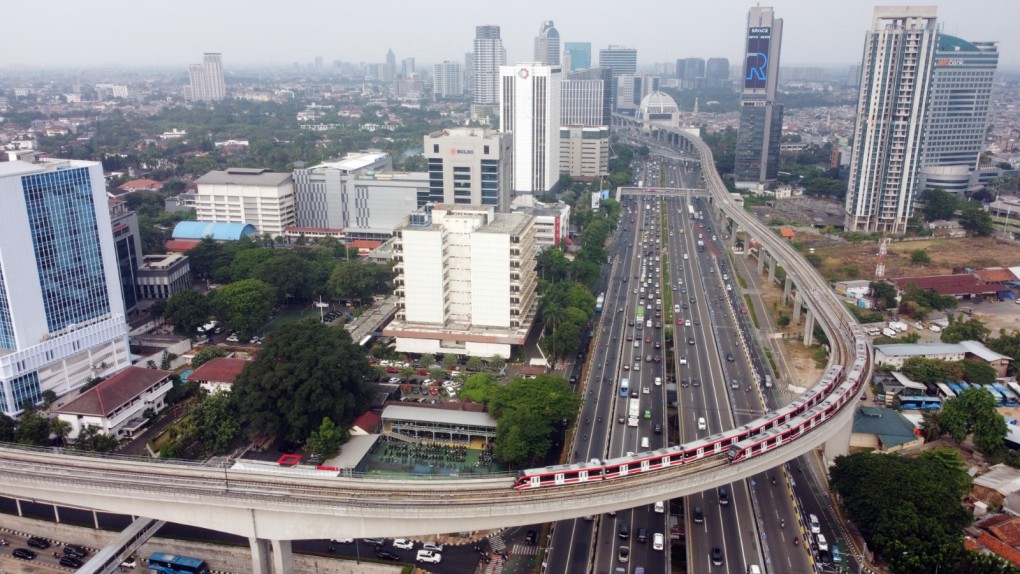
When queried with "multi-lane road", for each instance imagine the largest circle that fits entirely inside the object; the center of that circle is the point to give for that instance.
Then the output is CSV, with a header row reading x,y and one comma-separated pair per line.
x,y
672,329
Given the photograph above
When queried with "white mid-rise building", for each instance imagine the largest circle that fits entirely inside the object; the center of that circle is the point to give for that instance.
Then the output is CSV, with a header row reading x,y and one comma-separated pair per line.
x,y
584,151
529,96
447,81
206,79
470,166
466,281
260,197
61,308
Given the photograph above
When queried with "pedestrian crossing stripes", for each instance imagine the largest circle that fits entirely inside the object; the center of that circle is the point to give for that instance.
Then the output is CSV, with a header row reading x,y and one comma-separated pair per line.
x,y
496,543
525,550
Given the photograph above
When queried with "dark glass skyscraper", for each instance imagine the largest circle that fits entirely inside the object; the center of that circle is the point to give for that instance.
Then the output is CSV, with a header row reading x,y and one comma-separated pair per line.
x,y
761,116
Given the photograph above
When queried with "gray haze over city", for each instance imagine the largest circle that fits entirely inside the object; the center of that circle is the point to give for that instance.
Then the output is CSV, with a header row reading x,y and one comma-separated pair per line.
x,y
258,32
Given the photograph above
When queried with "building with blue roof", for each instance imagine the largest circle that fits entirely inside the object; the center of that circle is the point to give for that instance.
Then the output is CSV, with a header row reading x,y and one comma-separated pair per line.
x,y
197,230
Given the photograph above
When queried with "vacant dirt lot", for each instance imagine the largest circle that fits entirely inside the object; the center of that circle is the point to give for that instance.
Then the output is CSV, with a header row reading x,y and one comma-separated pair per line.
x,y
946,256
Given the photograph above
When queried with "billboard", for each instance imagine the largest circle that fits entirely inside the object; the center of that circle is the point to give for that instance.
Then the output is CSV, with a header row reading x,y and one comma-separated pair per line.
x,y
596,200
756,64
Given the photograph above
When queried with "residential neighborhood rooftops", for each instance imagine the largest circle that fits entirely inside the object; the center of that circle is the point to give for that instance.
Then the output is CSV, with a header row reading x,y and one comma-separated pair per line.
x,y
220,369
959,284
892,428
113,393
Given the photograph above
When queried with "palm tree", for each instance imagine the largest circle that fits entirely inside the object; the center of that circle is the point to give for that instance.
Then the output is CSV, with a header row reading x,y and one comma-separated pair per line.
x,y
931,426
61,429
497,363
553,314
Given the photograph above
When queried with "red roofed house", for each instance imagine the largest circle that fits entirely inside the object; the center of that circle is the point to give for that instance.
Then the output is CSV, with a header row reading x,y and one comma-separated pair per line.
x,y
787,233
959,285
181,245
141,185
366,424
218,375
117,404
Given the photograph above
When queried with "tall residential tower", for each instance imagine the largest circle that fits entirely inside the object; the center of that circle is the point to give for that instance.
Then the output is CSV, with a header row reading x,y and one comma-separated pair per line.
x,y
207,79
896,76
489,55
761,116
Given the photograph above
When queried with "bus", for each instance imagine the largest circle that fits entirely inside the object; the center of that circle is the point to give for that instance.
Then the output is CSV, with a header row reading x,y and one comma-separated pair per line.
x,y
921,403
624,387
690,210
174,564
1008,395
945,391
633,412
956,388
1000,400
600,302
640,313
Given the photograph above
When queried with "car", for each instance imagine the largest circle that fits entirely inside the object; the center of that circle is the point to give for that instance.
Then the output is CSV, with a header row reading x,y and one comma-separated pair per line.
x,y
823,544
683,290
342,540
697,321
642,535
724,495
637,367
684,383
232,338
692,300
623,531
690,340
687,323
734,384
679,321
837,557
685,256
658,381
394,379
429,556
683,359
645,390
699,516
626,367
387,555
36,542
658,541
23,553
621,420
374,541
701,424
130,562
630,338
633,393
648,339
717,557
659,507
432,546
657,358
403,544
75,550
70,562
623,554
686,306
648,414
813,524
729,357
648,359
531,537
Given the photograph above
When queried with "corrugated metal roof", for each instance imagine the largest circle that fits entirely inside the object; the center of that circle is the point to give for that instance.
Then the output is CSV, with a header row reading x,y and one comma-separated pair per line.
x,y
218,231
401,412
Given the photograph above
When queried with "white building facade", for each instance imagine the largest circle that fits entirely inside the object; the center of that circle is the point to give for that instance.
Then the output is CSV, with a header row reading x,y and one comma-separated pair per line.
x,y
117,405
470,166
466,281
61,307
584,151
261,197
899,56
529,95
447,81
206,79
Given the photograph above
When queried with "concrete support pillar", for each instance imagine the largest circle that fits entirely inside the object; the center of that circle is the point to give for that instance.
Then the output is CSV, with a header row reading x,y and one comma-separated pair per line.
x,y
259,556
839,443
773,263
798,302
761,259
95,519
283,559
56,514
733,239
787,286
809,328
17,503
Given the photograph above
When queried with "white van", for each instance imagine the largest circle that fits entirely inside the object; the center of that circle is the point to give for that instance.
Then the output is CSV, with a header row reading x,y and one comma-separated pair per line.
x,y
644,442
753,569
701,424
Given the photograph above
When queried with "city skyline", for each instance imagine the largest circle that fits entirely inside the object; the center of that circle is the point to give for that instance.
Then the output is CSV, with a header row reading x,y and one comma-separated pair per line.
x,y
704,31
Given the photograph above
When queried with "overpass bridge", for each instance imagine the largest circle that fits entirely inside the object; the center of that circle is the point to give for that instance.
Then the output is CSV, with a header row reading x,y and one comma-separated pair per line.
x,y
271,508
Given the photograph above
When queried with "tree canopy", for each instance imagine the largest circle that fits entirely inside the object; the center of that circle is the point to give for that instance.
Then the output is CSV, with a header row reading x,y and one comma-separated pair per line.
x,y
244,305
306,372
972,412
938,204
187,311
964,330
356,280
527,411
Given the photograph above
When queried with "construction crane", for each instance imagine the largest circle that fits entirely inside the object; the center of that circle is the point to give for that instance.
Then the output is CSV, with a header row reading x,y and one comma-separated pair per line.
x,y
883,250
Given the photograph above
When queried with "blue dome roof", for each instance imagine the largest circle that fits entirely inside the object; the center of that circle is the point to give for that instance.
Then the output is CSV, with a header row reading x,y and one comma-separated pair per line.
x,y
218,231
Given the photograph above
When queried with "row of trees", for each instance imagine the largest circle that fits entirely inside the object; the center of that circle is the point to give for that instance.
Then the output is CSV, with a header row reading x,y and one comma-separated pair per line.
x,y
931,371
528,413
938,204
909,512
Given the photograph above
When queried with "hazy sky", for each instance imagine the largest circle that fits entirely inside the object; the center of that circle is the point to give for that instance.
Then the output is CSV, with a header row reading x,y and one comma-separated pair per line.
x,y
87,33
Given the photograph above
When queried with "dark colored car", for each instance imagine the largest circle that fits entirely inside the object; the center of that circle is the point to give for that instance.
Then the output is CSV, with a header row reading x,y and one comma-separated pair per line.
x,y
624,531
531,537
642,535
23,553
387,555
70,562
729,357
717,558
75,550
657,429
39,543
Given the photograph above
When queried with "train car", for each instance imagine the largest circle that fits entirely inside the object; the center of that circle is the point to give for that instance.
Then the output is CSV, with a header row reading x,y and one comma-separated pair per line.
x,y
559,475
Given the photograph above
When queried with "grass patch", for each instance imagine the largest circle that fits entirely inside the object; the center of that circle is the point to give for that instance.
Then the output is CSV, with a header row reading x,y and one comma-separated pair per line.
x,y
772,360
290,316
750,311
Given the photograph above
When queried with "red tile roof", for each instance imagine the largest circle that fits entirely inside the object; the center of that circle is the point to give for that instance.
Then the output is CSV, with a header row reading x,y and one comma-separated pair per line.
x,y
365,244
113,393
959,284
1007,530
141,184
219,370
181,245
1000,548
787,232
368,421
995,275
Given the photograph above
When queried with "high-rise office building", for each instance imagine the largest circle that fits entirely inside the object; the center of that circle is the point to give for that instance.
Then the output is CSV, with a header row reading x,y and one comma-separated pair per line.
x,y
896,75
547,45
717,72
631,89
579,54
470,166
261,197
61,307
690,72
389,70
756,160
529,96
584,151
469,71
466,281
586,98
407,67
961,89
206,79
447,81
489,55
620,59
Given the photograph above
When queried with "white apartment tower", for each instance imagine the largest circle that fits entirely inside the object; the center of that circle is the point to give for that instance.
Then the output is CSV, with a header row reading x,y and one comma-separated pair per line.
x,y
207,79
61,307
896,75
489,55
529,108
470,166
447,81
466,281
261,197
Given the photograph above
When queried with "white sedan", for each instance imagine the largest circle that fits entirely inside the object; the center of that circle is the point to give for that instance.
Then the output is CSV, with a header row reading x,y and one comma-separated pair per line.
x,y
403,544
